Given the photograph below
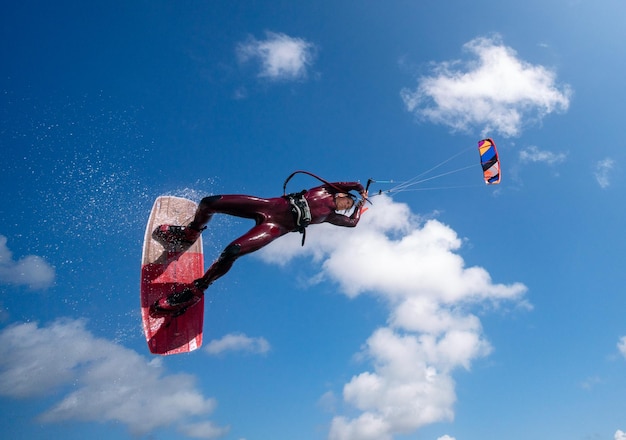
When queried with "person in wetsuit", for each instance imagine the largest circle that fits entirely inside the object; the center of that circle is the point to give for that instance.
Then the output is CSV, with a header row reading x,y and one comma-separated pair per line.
x,y
274,218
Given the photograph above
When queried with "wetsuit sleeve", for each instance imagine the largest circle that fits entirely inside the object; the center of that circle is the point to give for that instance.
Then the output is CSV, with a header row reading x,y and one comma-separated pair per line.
x,y
344,220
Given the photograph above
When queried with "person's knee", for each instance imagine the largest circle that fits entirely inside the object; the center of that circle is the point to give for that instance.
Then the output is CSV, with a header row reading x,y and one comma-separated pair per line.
x,y
209,201
231,252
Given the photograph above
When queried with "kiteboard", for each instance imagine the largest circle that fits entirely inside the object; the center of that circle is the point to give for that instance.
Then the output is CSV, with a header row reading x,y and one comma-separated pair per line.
x,y
162,272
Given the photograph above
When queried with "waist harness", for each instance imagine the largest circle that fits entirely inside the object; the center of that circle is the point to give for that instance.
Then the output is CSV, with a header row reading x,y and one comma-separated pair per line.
x,y
301,212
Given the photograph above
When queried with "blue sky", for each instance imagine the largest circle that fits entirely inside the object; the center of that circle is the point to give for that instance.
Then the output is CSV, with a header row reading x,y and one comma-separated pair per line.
x,y
454,311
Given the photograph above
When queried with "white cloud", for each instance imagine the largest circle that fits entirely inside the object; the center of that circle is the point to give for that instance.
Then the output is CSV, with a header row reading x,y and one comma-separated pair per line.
x,y
406,390
446,437
414,268
282,57
621,346
366,427
590,382
620,435
603,172
31,271
238,342
328,402
103,381
204,430
495,92
534,154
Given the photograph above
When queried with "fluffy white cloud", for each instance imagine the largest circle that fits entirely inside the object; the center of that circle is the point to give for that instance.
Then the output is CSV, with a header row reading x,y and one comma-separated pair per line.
x,y
620,435
413,267
31,271
282,57
621,346
204,430
534,154
603,172
494,92
238,342
393,254
105,381
366,427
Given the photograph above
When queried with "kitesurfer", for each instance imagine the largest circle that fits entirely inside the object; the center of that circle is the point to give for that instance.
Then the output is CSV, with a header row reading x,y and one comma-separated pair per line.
x,y
274,218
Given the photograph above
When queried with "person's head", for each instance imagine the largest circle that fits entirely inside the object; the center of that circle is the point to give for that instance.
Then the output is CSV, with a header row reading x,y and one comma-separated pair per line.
x,y
343,201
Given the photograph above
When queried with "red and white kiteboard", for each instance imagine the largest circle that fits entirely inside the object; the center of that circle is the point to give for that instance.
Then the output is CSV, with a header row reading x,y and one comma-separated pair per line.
x,y
162,272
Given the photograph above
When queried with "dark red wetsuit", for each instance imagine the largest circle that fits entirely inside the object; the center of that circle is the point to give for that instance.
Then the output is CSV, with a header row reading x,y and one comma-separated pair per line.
x,y
273,217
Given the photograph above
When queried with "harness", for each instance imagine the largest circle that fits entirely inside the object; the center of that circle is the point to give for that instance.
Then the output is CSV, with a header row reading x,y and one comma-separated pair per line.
x,y
301,212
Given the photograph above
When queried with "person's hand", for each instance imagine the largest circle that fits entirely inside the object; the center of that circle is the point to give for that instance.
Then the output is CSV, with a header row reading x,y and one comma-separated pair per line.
x,y
364,195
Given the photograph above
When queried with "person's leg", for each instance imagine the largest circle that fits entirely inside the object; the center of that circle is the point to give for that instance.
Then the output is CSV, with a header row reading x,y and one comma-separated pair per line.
x,y
257,237
253,240
263,233
236,205
180,238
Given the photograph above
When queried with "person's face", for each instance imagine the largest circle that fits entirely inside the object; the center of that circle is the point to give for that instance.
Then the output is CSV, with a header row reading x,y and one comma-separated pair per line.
x,y
343,202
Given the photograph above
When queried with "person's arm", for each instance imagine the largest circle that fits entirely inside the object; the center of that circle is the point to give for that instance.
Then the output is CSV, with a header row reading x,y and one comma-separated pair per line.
x,y
343,220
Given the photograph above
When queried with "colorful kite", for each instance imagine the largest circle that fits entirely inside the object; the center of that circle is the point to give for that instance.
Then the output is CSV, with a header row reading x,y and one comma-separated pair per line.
x,y
489,161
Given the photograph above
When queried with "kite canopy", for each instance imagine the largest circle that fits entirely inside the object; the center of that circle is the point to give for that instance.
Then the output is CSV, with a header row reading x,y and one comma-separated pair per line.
x,y
490,161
